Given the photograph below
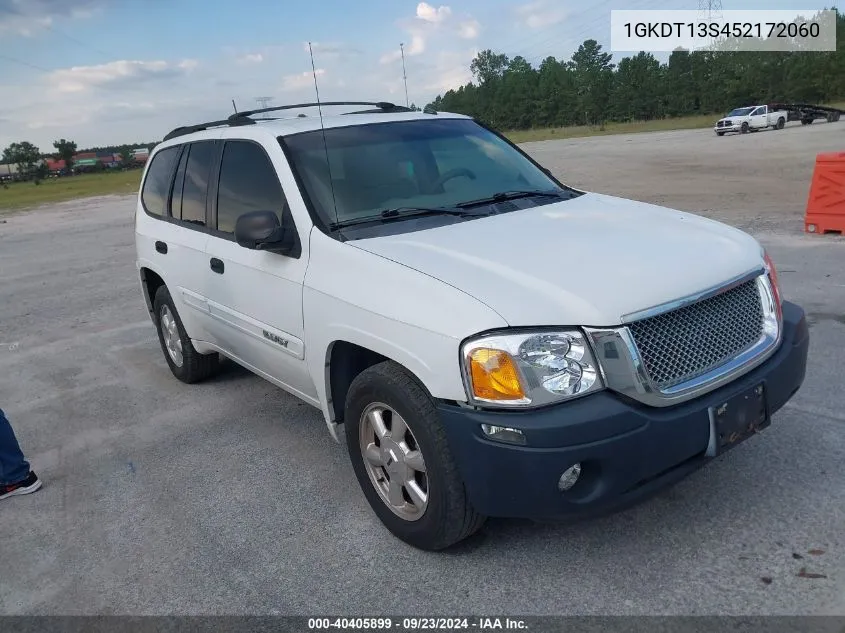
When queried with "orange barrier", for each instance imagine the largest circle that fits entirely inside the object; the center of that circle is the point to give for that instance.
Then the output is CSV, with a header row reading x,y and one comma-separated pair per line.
x,y
826,204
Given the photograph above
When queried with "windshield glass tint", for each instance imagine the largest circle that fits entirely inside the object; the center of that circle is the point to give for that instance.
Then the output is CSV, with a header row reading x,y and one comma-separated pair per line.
x,y
422,163
740,112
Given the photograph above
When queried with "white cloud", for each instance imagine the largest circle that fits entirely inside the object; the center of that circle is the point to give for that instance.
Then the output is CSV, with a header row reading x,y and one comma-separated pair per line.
x,y
251,58
450,70
416,47
469,30
328,48
541,13
429,23
129,100
301,80
25,17
84,78
428,13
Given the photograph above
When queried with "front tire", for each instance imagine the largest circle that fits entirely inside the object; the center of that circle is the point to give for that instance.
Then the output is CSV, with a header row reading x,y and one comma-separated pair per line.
x,y
744,129
185,362
402,460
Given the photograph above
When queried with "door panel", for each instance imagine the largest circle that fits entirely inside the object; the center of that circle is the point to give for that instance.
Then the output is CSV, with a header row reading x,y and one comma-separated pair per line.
x,y
188,237
255,308
255,297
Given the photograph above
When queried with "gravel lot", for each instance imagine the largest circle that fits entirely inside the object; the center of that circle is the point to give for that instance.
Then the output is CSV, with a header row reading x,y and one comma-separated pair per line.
x,y
230,496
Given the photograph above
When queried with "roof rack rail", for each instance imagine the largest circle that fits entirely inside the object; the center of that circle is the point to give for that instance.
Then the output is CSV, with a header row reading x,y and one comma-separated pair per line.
x,y
243,118
199,127
381,106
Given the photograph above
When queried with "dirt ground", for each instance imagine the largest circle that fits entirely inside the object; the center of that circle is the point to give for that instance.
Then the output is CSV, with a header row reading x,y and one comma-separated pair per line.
x,y
230,497
758,181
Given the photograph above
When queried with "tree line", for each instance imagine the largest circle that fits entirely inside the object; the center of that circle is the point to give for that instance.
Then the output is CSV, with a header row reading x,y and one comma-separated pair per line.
x,y
28,158
590,89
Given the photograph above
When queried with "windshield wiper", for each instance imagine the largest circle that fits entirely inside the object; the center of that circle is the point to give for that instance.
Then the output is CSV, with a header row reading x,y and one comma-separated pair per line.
x,y
502,196
403,212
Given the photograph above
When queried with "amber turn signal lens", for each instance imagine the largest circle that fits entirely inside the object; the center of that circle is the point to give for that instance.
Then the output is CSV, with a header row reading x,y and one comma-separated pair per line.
x,y
494,375
773,276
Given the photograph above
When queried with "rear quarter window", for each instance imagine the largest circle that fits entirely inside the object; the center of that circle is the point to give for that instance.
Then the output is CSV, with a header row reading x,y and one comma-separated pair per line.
x,y
157,182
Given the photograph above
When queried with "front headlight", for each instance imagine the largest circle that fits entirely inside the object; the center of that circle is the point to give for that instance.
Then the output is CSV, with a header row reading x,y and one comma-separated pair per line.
x,y
529,368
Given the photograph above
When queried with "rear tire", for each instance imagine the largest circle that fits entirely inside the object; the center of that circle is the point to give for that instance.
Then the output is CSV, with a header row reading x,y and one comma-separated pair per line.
x,y
720,133
185,362
781,123
392,430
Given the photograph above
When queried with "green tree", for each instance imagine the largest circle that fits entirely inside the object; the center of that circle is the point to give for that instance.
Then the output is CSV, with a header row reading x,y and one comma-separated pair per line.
x,y
593,79
65,150
25,155
638,89
488,66
512,94
126,155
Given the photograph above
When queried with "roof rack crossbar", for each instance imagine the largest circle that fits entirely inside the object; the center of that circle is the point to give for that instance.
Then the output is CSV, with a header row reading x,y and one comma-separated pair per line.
x,y
382,106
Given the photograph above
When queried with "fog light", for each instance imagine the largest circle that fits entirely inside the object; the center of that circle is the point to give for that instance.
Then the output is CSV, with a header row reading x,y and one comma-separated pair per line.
x,y
569,477
811,228
503,434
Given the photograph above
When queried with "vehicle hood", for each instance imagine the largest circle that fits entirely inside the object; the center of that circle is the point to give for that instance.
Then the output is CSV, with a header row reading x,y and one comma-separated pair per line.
x,y
585,261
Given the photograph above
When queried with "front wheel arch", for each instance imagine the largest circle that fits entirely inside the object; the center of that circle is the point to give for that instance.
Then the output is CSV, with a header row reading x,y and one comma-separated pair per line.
x,y
448,517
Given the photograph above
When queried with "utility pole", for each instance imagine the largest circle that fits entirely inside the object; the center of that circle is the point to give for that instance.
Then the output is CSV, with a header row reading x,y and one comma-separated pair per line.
x,y
404,74
710,8
262,102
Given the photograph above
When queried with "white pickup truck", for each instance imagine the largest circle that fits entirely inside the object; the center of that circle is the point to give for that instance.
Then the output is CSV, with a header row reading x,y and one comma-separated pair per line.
x,y
486,340
751,119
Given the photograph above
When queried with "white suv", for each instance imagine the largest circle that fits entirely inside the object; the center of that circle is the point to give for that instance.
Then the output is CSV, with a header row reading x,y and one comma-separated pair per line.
x,y
490,341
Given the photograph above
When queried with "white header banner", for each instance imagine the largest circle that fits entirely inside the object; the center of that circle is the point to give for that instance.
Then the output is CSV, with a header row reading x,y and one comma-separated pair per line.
x,y
752,30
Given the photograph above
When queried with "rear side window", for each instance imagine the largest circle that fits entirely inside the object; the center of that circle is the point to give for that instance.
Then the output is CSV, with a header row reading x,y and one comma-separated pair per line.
x,y
176,196
195,187
248,182
157,182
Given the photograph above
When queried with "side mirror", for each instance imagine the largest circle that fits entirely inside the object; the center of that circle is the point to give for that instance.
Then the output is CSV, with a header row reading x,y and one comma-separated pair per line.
x,y
262,231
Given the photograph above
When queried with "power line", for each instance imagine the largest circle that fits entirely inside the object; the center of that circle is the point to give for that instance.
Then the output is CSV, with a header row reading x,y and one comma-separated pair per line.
x,y
23,63
79,42
587,28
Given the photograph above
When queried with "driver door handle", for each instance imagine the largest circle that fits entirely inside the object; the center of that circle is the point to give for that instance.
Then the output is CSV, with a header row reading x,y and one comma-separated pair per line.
x,y
217,265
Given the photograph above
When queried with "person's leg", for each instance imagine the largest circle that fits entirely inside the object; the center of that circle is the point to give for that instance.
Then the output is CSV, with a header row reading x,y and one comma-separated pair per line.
x,y
15,475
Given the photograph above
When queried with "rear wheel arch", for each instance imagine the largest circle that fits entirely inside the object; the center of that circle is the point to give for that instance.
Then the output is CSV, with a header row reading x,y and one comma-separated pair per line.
x,y
151,281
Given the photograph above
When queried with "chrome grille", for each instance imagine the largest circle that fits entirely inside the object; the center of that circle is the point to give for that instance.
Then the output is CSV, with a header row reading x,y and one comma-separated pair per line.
x,y
683,344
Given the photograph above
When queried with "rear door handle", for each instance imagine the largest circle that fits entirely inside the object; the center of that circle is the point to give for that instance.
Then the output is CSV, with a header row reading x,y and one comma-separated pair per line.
x,y
217,265
161,247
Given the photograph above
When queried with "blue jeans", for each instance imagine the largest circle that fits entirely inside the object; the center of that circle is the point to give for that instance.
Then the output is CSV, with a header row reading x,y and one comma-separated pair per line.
x,y
13,467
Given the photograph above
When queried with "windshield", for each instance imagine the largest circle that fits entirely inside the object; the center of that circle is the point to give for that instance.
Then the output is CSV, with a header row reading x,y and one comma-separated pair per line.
x,y
437,163
740,112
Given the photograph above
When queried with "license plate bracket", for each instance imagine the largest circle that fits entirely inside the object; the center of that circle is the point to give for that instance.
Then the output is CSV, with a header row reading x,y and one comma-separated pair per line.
x,y
736,419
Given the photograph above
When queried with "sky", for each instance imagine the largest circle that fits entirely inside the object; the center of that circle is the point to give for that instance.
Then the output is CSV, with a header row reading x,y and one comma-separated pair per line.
x,y
103,72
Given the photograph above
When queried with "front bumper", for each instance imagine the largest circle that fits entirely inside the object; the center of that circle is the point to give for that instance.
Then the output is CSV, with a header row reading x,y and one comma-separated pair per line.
x,y
628,451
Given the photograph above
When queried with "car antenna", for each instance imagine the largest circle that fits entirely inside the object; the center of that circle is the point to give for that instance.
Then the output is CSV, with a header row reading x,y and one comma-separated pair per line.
x,y
323,131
